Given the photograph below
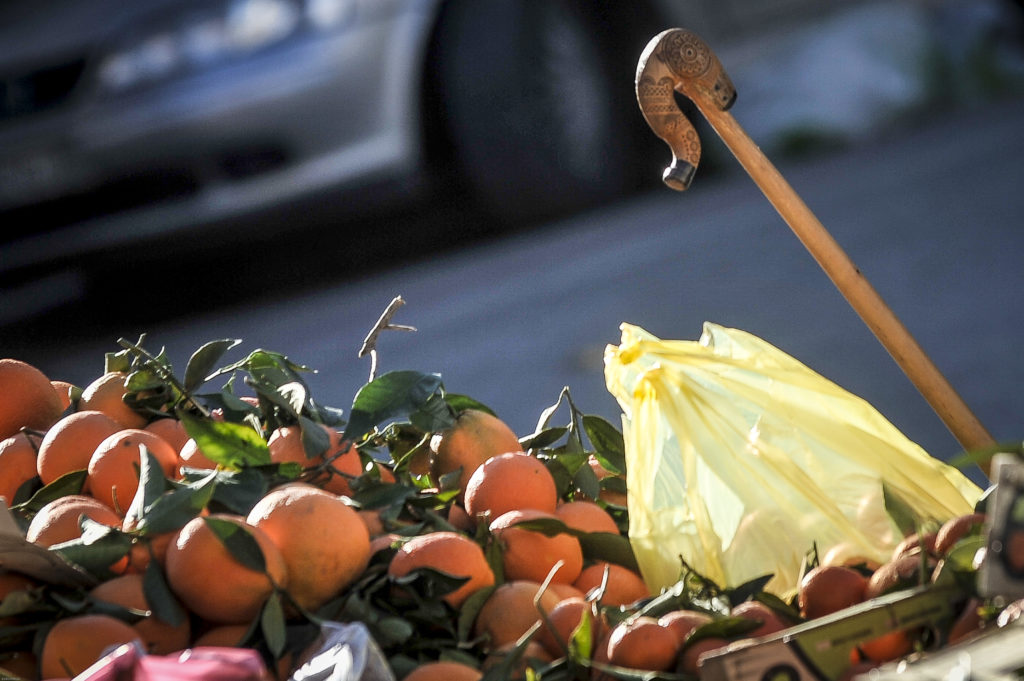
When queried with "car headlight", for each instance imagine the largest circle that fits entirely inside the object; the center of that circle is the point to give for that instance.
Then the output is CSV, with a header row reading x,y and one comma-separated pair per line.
x,y
234,29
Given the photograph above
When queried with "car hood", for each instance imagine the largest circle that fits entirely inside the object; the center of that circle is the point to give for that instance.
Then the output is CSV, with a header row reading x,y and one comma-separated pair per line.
x,y
32,32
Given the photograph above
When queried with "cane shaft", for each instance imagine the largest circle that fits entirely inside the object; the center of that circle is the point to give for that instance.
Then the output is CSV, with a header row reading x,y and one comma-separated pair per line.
x,y
860,294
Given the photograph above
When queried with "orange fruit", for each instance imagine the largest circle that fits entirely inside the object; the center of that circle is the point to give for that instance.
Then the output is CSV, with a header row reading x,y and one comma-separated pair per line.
x,y
114,466
75,643
898,573
17,463
222,636
146,549
342,464
475,437
323,541
586,516
624,586
285,445
11,582
447,552
460,520
607,496
534,656
769,620
106,393
14,581
531,555
689,659
563,620
64,391
509,612
58,521
19,664
850,555
444,671
197,555
915,543
190,455
507,482
29,399
955,529
684,622
371,518
564,591
828,588
69,444
171,430
158,637
642,643
386,541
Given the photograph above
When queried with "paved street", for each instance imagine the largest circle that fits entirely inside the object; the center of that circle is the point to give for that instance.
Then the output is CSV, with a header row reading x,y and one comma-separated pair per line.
x,y
933,218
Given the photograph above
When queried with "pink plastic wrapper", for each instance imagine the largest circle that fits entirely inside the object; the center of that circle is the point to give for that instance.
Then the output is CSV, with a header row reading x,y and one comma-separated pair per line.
x,y
343,652
129,663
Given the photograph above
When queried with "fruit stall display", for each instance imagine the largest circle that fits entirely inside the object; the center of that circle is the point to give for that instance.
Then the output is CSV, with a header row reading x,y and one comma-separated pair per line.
x,y
225,506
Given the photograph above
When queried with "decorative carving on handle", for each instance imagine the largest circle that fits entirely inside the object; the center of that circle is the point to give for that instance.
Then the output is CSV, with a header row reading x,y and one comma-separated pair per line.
x,y
677,60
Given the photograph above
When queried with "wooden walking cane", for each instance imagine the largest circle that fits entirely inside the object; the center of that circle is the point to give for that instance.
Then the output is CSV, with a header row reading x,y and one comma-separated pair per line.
x,y
678,60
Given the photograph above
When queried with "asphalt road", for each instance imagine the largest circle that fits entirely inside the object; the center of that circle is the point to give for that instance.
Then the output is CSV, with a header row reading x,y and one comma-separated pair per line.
x,y
932,216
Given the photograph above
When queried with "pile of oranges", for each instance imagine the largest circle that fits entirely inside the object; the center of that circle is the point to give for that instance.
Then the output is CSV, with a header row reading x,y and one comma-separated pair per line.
x,y
468,552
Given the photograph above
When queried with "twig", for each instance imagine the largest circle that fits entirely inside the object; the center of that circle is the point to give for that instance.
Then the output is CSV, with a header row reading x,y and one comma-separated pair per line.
x,y
383,324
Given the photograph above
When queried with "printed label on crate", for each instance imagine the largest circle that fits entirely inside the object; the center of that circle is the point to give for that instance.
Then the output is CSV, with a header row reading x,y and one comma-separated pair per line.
x,y
821,650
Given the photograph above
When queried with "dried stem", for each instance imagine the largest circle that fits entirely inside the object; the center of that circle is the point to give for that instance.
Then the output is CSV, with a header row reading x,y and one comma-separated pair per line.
x,y
383,324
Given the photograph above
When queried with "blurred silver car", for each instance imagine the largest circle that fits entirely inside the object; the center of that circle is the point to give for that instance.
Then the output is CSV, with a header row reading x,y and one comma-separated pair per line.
x,y
122,122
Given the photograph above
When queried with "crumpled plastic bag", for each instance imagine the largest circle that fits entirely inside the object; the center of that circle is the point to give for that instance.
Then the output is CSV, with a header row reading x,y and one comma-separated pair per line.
x,y
740,459
344,652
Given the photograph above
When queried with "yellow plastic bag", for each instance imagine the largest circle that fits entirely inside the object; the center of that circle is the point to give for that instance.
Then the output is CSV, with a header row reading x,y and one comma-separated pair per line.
x,y
739,459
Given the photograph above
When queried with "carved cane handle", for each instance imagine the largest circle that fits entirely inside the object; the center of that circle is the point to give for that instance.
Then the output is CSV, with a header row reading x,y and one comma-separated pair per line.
x,y
677,60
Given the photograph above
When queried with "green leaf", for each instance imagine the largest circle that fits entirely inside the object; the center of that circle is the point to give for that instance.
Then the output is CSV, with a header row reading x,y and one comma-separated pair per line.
x,y
171,511
97,549
294,395
606,546
609,446
152,484
315,439
202,362
460,403
239,491
614,484
120,361
235,409
543,438
239,542
394,394
394,631
581,641
431,583
587,482
748,589
383,495
469,611
899,510
433,415
329,416
233,445
273,626
162,603
69,483
722,627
